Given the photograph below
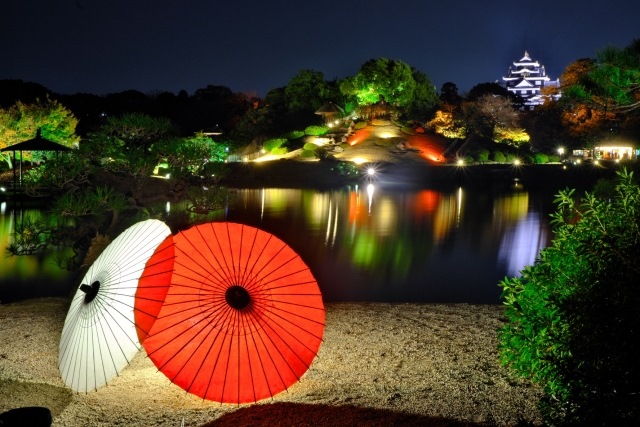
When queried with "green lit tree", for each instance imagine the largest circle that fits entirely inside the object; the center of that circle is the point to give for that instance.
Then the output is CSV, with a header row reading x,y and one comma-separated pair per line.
x,y
381,79
572,320
130,143
21,122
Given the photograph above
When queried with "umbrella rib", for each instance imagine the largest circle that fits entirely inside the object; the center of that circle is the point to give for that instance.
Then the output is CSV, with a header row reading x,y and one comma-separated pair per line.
x,y
294,314
260,357
226,312
296,325
269,354
222,252
211,252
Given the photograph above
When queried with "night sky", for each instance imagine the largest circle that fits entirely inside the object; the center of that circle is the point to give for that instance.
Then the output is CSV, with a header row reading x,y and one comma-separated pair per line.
x,y
108,46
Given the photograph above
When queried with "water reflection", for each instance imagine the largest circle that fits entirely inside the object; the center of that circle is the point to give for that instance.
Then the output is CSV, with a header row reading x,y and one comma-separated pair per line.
x,y
371,244
365,243
27,275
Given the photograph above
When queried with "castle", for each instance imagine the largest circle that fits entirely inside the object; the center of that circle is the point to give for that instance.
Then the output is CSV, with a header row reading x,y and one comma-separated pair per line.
x,y
526,78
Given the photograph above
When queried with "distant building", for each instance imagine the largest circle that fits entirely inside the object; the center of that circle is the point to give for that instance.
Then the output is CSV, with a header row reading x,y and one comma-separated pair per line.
x,y
526,78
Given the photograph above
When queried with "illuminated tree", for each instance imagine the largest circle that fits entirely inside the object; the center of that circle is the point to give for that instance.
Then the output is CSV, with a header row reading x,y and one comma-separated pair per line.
x,y
381,79
611,84
20,122
494,117
130,143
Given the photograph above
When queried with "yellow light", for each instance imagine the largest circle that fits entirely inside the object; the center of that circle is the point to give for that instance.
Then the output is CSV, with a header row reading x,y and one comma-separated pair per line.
x,y
516,162
460,162
386,135
359,160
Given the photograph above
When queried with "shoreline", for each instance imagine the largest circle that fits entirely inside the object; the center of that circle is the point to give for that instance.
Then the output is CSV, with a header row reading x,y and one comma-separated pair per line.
x,y
412,174
379,364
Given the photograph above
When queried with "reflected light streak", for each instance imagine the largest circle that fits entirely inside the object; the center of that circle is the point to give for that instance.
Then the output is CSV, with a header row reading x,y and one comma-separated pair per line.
x,y
459,207
3,207
335,228
328,232
444,217
521,245
370,189
262,199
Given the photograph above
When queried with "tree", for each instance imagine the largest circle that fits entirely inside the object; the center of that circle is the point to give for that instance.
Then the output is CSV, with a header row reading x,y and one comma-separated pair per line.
x,y
21,122
130,143
613,82
381,79
572,323
494,117
306,91
425,97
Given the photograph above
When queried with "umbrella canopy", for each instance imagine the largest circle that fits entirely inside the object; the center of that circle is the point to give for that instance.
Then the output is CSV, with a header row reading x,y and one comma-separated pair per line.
x,y
99,336
242,318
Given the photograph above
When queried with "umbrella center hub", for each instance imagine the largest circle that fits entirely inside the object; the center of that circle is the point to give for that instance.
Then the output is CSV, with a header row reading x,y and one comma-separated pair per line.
x,y
90,291
237,297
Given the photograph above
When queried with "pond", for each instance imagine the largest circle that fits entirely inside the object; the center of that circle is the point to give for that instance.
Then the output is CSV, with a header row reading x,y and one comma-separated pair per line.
x,y
363,242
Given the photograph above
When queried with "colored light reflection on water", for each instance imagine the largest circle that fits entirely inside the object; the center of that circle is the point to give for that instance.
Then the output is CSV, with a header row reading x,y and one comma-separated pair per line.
x,y
368,243
28,275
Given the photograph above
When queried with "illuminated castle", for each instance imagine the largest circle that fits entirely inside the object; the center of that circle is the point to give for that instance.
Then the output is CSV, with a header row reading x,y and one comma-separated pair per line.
x,y
526,78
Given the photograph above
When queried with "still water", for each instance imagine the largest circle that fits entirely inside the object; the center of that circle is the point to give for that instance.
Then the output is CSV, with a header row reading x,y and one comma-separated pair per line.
x,y
362,243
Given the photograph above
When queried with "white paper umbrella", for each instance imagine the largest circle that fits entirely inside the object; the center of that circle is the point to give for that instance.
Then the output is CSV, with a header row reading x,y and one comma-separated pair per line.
x,y
99,335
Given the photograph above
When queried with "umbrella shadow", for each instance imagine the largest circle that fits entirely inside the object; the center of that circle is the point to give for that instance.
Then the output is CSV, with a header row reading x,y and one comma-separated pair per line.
x,y
322,415
20,394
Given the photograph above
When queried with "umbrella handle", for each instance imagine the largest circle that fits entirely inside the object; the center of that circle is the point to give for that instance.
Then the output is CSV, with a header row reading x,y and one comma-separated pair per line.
x,y
90,290
237,297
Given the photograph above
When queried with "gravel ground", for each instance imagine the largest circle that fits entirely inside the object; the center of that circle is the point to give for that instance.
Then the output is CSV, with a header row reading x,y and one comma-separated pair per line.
x,y
379,364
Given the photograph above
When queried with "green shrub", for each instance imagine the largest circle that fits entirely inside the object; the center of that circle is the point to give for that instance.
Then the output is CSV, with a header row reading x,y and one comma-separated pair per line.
x,y
483,155
346,169
572,323
295,134
279,151
511,157
540,158
307,154
310,146
499,157
316,130
271,144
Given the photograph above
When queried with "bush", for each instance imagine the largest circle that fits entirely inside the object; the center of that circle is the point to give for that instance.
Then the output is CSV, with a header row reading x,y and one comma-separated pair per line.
x,y
271,144
310,146
346,169
483,155
572,323
307,154
499,157
279,151
295,134
540,158
316,130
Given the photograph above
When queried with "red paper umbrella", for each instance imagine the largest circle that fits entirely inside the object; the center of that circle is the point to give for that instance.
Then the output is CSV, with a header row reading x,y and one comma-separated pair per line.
x,y
242,317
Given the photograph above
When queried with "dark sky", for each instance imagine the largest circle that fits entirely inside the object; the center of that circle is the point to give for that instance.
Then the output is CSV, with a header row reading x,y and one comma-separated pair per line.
x,y
107,46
